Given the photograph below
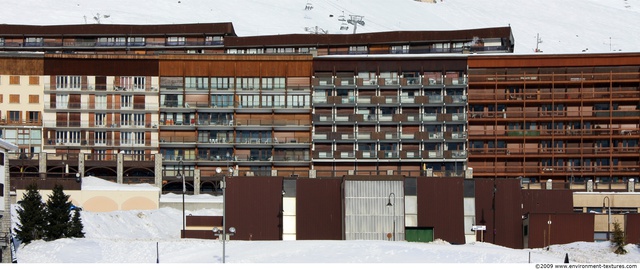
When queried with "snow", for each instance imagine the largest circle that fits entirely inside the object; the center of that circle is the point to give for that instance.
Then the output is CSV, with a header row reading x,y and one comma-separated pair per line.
x,y
567,26
132,237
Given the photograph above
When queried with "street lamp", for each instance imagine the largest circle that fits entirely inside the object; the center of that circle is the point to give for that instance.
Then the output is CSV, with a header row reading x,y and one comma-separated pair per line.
x,y
394,212
184,190
608,213
223,185
218,232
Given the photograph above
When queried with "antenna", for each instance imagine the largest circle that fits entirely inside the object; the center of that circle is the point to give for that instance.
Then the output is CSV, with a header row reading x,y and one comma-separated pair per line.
x,y
538,41
355,20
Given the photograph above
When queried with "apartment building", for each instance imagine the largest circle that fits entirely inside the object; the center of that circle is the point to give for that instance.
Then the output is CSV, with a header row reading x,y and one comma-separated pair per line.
x,y
117,100
565,118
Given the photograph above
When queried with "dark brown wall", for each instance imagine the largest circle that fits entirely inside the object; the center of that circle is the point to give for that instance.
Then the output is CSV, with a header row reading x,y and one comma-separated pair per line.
x,y
101,66
631,228
319,209
504,222
441,206
547,201
204,221
567,60
254,206
21,65
565,228
236,65
329,64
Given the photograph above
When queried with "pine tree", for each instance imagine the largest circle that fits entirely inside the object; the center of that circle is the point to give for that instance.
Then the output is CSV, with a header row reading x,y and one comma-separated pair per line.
x,y
31,216
618,240
75,230
58,214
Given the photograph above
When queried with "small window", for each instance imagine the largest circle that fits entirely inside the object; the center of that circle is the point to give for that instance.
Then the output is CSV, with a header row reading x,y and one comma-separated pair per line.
x,y
14,80
14,116
176,41
34,99
34,117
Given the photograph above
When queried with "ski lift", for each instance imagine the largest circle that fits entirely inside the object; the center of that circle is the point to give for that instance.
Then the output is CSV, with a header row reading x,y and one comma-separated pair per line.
x,y
341,17
309,6
344,26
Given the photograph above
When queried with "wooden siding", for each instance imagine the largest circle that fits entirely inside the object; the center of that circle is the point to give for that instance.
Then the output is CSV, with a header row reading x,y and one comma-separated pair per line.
x,y
318,209
554,60
21,66
504,222
440,206
100,66
254,207
565,228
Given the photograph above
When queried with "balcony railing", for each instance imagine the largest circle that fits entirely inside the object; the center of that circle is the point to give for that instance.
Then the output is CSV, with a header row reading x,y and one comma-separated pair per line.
x,y
103,88
85,124
99,106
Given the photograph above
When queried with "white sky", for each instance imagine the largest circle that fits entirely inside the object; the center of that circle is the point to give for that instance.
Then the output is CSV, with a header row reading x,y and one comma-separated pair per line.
x,y
567,26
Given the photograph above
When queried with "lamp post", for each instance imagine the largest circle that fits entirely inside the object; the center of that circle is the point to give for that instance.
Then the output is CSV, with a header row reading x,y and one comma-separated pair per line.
x,y
184,190
608,213
394,212
223,185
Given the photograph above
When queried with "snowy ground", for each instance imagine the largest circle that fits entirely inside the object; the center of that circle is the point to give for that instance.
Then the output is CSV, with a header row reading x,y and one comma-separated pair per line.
x,y
149,236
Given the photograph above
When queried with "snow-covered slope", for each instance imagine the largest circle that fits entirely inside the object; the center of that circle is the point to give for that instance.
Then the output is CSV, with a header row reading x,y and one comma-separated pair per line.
x,y
139,236
567,26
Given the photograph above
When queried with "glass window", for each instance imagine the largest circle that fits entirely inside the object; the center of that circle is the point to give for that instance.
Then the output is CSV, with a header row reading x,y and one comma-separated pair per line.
x,y
199,83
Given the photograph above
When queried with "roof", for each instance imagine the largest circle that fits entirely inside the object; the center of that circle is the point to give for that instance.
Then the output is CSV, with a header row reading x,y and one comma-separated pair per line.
x,y
400,37
117,29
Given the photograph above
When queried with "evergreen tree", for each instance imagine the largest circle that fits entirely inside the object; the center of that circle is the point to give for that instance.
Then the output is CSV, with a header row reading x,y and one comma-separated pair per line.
x,y
618,240
75,230
58,214
31,216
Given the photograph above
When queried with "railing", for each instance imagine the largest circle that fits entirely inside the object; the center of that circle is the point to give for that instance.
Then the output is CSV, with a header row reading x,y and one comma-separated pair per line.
x,y
616,132
85,124
103,88
390,154
231,140
588,149
98,143
240,122
99,106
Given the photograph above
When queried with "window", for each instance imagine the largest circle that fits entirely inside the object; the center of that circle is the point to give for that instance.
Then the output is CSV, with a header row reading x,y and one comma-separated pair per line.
x,y
33,42
1,98
267,83
250,101
100,138
222,100
14,98
358,50
100,119
1,41
176,41
136,83
267,101
101,102
249,83
255,51
14,116
68,137
400,49
33,117
222,83
126,101
235,51
111,41
125,138
136,41
199,83
68,82
138,119
125,119
34,99
14,80
138,138
298,101
62,101
213,40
